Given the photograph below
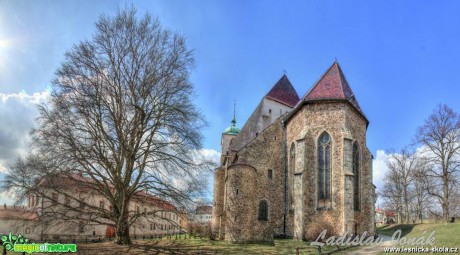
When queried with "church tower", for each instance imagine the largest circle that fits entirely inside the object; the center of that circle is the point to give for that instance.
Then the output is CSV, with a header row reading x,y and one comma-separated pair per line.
x,y
218,214
227,136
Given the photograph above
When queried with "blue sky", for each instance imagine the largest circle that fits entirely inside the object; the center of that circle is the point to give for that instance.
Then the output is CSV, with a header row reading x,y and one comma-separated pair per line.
x,y
400,57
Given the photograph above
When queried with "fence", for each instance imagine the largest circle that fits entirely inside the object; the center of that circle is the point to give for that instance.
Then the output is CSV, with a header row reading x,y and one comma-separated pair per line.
x,y
99,239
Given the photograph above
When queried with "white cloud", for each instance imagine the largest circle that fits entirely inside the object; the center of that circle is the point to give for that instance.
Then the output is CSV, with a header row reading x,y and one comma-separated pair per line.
x,y
17,117
379,168
35,98
211,155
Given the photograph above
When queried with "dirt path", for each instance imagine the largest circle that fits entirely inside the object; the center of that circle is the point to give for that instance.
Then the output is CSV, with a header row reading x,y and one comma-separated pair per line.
x,y
373,250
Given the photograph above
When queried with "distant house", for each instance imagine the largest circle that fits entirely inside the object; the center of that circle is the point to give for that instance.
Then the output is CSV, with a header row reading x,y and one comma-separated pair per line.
x,y
157,216
203,214
17,219
384,216
379,216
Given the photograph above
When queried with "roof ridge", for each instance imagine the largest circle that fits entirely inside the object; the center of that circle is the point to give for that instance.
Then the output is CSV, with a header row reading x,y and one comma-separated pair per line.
x,y
342,79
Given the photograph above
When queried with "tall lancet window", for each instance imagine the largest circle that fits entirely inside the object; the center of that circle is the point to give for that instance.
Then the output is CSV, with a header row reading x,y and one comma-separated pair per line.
x,y
324,169
356,172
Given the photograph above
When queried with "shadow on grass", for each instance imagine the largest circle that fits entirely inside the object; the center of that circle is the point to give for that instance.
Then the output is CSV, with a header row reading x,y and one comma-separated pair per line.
x,y
145,248
388,230
205,247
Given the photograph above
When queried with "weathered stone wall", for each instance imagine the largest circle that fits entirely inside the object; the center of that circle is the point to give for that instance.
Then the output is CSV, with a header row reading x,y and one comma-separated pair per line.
x,y
345,126
239,204
262,154
225,144
306,127
218,198
356,126
265,153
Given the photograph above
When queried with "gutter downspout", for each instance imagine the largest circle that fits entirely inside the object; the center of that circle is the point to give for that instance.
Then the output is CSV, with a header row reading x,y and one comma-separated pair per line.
x,y
285,178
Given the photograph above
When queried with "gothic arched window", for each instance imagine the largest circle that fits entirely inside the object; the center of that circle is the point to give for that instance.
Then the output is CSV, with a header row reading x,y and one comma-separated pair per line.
x,y
356,172
263,210
324,167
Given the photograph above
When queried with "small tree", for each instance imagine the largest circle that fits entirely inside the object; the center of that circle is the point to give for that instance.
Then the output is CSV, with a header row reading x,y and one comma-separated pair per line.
x,y
120,121
398,182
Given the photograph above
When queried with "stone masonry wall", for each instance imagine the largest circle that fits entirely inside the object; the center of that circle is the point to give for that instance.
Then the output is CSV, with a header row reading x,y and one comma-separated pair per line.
x,y
364,218
264,153
240,206
218,198
345,126
312,121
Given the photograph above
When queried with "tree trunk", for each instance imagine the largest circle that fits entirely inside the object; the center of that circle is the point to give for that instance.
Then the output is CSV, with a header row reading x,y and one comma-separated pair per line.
x,y
123,232
445,202
406,206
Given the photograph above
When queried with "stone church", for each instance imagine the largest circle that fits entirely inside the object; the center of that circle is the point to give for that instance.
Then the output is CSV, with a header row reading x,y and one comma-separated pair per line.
x,y
297,166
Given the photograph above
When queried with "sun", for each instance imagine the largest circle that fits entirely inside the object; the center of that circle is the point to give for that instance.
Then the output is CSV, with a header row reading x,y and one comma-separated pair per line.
x,y
5,45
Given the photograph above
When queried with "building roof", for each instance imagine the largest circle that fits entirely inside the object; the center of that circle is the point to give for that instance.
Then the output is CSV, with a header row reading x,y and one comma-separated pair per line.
x,y
332,85
204,209
80,183
283,92
16,213
163,204
232,130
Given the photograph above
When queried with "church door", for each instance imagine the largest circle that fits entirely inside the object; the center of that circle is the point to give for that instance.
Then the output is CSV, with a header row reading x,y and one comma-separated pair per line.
x,y
110,232
298,207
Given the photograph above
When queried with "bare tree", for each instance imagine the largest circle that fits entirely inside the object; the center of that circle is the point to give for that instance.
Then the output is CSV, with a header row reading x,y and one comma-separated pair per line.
x,y
420,196
440,139
120,122
398,182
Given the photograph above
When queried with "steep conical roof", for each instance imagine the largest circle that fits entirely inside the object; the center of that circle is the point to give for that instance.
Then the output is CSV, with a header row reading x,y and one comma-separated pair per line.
x,y
332,85
283,92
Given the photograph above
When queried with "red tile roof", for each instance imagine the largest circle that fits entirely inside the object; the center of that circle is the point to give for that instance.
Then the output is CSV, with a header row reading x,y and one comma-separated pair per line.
x,y
204,209
86,184
283,92
333,85
17,213
165,205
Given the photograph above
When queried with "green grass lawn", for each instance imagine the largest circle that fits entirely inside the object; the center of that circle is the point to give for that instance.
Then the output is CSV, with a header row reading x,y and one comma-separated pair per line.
x,y
388,230
446,235
198,246
281,246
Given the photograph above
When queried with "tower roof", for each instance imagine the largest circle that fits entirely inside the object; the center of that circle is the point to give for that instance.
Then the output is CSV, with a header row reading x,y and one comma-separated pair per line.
x,y
283,92
332,85
232,130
